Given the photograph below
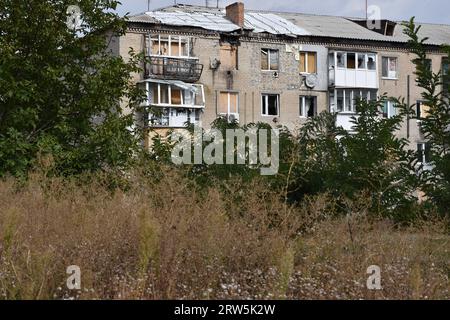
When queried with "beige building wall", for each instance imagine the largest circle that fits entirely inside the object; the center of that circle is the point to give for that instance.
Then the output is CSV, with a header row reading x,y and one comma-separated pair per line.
x,y
249,81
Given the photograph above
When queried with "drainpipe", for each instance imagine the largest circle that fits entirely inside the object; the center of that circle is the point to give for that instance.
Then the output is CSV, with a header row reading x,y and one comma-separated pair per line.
x,y
408,101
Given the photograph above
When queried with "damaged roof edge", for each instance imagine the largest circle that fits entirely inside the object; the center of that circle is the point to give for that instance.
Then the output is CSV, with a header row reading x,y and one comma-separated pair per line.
x,y
290,25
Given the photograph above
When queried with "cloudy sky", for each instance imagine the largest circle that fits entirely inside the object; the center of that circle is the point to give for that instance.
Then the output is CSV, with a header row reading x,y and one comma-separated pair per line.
x,y
434,11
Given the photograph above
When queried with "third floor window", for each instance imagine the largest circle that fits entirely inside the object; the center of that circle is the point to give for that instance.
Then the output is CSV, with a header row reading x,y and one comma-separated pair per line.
x,y
171,46
389,67
308,62
269,59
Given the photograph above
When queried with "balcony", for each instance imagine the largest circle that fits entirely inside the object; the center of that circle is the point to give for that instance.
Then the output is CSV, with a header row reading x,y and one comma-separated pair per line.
x,y
170,68
353,70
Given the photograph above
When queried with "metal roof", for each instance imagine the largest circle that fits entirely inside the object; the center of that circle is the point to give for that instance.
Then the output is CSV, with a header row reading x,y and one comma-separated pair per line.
x,y
217,21
438,34
285,23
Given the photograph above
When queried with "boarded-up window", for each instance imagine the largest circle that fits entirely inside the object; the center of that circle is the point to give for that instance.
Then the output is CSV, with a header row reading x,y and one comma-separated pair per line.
x,y
228,56
176,96
228,103
223,103
351,60
308,62
175,46
164,46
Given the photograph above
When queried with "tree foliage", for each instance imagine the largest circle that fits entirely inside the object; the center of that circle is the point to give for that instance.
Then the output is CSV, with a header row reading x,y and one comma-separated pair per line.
x,y
60,88
436,125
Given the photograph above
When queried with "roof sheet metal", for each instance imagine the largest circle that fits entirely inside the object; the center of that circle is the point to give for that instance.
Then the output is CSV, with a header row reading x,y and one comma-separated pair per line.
x,y
205,20
335,27
438,34
271,23
217,21
285,23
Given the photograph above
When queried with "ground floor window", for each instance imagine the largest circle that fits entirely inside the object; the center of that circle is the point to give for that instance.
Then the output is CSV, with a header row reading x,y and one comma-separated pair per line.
x,y
345,100
423,153
308,106
270,104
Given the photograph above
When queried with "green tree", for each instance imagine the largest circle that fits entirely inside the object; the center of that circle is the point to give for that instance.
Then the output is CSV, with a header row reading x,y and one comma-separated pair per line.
x,y
60,88
436,125
377,160
370,158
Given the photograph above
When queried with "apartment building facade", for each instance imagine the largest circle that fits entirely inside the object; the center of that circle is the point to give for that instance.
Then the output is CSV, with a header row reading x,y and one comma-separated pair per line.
x,y
278,68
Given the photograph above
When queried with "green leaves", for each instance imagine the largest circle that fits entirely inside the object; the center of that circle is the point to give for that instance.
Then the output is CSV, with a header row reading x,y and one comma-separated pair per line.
x,y
436,125
60,91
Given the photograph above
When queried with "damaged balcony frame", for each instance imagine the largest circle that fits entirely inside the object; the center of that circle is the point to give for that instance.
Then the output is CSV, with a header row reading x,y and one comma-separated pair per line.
x,y
173,103
169,57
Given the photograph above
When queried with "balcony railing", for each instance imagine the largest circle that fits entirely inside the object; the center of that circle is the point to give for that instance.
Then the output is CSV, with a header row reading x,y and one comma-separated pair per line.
x,y
168,68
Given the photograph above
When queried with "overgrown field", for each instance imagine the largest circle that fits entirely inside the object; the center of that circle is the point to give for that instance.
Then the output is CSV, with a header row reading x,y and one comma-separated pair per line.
x,y
162,239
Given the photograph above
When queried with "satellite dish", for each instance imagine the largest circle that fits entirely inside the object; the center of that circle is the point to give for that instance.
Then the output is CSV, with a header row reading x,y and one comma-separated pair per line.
x,y
311,81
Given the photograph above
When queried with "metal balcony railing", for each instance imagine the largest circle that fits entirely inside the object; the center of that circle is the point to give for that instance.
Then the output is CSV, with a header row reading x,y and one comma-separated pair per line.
x,y
187,70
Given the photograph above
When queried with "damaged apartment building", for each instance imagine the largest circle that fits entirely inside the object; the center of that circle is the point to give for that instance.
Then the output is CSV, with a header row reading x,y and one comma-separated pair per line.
x,y
280,68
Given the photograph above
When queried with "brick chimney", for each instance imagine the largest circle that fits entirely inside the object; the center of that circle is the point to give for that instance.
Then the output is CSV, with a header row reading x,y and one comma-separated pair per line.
x,y
235,13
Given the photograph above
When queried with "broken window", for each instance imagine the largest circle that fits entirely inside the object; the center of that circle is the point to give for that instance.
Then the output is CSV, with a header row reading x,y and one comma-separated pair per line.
x,y
269,59
308,62
340,57
371,61
308,106
228,103
362,61
173,46
228,56
389,67
270,104
183,94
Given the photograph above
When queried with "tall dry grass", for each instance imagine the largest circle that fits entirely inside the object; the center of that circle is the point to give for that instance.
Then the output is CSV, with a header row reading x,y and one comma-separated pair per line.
x,y
165,240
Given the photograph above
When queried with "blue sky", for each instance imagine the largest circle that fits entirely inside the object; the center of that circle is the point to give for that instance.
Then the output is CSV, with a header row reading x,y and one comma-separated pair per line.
x,y
433,11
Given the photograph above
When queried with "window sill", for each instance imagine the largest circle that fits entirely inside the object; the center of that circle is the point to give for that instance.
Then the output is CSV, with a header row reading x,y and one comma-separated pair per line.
x,y
387,78
269,116
270,70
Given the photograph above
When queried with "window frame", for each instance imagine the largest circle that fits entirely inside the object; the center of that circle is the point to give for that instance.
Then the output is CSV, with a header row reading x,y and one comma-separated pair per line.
x,y
158,88
180,41
424,153
229,93
302,107
363,93
265,96
389,58
390,105
306,53
269,58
